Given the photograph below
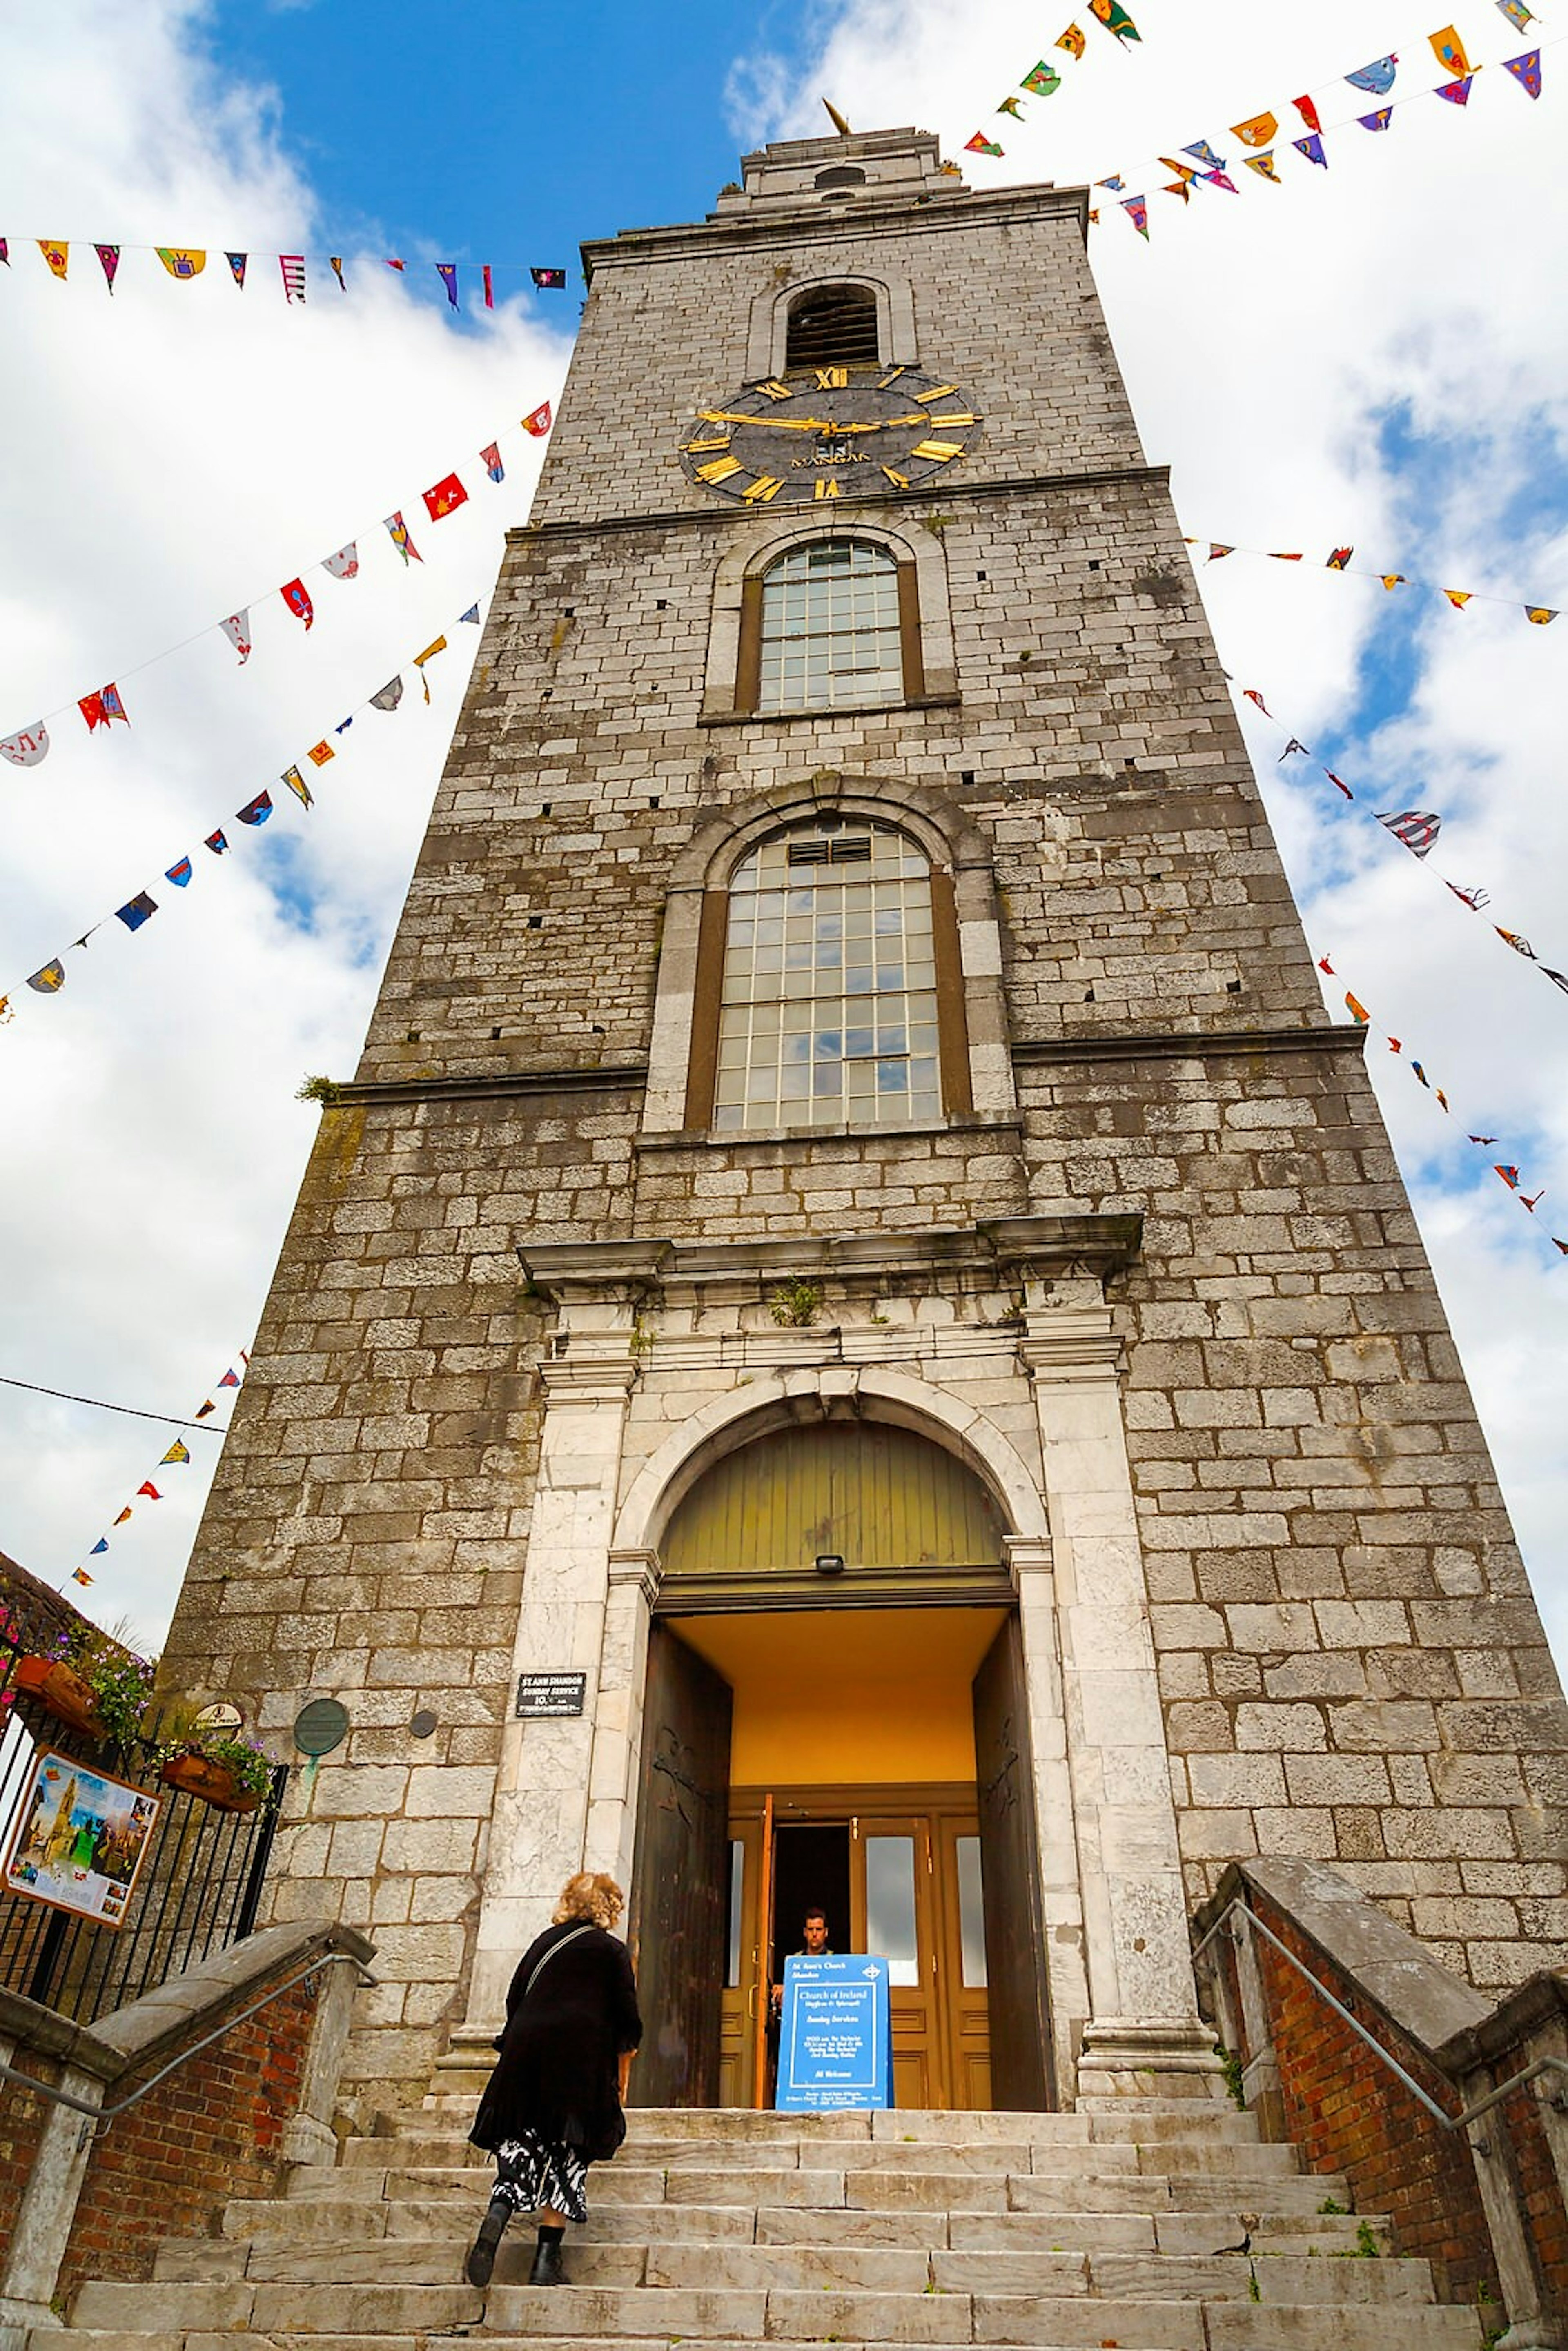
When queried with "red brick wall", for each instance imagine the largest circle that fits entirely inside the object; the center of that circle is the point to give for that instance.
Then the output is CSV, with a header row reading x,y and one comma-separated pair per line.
x,y
21,2121
211,2131
1539,2194
1348,2113
166,2168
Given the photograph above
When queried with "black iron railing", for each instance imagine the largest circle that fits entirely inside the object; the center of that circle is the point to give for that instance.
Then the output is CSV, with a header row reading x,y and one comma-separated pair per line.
x,y
197,1890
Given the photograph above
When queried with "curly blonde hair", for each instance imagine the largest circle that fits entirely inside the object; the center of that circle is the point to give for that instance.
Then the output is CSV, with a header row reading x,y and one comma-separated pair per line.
x,y
590,1896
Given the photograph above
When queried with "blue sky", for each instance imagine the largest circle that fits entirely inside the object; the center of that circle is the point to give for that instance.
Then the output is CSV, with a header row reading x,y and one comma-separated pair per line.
x,y
1361,355
570,122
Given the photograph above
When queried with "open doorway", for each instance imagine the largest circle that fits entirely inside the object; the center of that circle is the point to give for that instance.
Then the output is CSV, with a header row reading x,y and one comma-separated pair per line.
x,y
871,1762
810,1872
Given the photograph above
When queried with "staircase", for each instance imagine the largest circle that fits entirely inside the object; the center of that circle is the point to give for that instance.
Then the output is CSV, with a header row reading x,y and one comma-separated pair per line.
x,y
1091,2228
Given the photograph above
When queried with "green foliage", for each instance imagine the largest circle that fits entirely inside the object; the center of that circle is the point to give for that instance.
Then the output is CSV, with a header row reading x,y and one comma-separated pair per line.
x,y
1331,2204
317,1090
1230,2066
1253,2294
251,1765
120,1681
795,1305
1367,2248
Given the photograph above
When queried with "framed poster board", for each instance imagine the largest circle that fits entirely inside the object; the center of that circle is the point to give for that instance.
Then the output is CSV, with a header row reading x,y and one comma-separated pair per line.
x,y
80,1840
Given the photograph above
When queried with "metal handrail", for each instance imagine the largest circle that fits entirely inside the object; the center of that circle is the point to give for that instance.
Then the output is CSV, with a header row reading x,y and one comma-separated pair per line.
x,y
101,2114
1450,2122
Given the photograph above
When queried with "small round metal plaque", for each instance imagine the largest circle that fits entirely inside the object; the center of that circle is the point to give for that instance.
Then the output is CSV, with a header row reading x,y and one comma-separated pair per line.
x,y
320,1726
423,1723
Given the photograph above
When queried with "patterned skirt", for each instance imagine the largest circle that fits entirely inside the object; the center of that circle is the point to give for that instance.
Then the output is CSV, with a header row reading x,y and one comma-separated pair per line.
x,y
532,2172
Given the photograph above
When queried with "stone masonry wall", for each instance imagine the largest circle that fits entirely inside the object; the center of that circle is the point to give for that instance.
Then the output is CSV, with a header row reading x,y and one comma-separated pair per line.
x,y
1352,1665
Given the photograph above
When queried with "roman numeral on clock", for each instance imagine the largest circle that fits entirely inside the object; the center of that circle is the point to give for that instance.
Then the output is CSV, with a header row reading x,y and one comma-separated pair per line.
x,y
900,481
718,470
835,379
765,487
942,392
715,440
776,390
939,451
827,489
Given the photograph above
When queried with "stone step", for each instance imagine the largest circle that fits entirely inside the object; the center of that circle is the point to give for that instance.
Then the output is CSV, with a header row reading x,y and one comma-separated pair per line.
x,y
229,2318
884,2190
741,2124
1111,2272
290,2221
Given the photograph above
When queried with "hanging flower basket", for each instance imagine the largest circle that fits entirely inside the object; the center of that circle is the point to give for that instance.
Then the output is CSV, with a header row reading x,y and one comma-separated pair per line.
x,y
214,1783
63,1691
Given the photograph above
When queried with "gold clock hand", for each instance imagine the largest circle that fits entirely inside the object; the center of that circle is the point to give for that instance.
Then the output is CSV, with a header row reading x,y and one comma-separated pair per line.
x,y
774,423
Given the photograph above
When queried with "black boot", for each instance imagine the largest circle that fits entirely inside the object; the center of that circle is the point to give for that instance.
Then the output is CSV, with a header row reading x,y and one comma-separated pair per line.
x,y
481,2258
547,2269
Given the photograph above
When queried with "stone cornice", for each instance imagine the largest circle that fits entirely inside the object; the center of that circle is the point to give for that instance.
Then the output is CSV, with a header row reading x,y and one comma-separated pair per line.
x,y
784,225
480,1087
945,495
1001,1247
1177,1045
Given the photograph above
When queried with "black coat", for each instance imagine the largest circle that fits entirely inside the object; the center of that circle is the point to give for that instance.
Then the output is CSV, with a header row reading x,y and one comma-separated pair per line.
x,y
557,2073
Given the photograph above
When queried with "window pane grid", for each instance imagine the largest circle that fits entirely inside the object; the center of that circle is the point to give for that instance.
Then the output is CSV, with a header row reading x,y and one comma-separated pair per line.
x,y
828,1010
830,638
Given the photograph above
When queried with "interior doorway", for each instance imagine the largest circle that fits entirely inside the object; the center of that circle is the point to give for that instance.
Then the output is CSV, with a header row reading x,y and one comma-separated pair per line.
x,y
810,1872
870,1761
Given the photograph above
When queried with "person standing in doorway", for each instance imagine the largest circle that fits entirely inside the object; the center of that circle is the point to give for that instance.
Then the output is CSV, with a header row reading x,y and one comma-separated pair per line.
x,y
553,2104
813,1945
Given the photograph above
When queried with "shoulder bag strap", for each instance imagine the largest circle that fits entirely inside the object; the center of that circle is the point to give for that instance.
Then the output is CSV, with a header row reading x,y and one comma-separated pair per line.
x,y
550,1954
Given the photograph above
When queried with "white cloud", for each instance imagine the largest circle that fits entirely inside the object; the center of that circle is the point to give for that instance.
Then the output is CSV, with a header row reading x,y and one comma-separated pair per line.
x,y
1366,355
170,451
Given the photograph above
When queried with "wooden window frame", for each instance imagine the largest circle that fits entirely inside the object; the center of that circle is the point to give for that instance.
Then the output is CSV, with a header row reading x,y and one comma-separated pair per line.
x,y
749,650
952,1021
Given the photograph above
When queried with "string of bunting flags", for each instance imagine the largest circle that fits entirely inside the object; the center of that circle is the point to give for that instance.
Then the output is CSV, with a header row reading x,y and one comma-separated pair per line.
x,y
1043,79
29,746
1418,831
1339,560
140,907
177,1457
1262,132
1506,1172
185,263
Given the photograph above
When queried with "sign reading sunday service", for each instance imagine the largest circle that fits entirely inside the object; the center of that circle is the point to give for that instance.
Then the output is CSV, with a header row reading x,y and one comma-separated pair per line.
x,y
835,2037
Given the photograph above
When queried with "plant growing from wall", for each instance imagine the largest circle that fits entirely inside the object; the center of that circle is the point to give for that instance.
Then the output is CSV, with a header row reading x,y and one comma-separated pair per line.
x,y
795,1305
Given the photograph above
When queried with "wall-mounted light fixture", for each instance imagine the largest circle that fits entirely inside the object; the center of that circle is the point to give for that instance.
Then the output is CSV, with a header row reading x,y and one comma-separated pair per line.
x,y
829,1562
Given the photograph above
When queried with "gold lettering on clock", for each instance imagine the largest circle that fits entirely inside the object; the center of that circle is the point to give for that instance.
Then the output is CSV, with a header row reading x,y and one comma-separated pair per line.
x,y
765,487
835,379
718,470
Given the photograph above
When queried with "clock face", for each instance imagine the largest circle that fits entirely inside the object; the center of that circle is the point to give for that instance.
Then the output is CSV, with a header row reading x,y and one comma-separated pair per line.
x,y
818,434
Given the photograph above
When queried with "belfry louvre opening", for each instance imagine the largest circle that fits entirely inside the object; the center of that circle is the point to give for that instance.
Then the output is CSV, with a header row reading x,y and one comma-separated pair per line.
x,y
834,327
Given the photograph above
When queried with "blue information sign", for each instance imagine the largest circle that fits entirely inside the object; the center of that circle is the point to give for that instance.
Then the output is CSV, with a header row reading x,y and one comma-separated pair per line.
x,y
835,2038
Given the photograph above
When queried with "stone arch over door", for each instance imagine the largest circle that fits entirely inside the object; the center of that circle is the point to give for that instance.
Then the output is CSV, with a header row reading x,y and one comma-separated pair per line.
x,y
731,1421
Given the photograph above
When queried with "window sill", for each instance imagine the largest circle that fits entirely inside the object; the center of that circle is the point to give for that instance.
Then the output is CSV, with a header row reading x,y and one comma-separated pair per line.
x,y
706,1138
798,718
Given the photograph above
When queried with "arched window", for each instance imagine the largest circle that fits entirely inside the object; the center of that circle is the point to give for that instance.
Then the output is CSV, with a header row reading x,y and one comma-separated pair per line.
x,y
828,1008
832,326
840,175
829,629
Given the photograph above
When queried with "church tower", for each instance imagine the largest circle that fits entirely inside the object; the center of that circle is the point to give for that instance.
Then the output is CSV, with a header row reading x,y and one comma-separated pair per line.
x,y
856,1338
